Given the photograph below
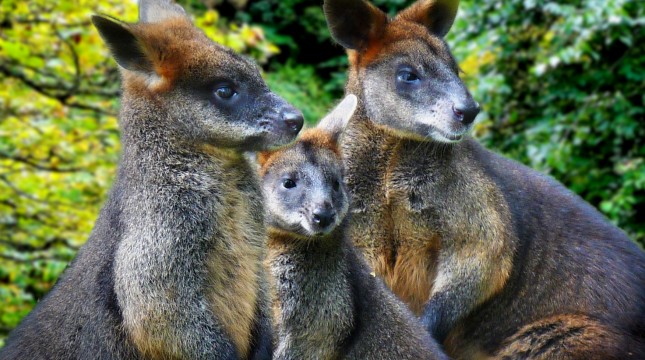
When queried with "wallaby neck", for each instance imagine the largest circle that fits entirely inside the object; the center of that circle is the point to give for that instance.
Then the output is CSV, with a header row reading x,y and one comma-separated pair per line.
x,y
312,280
389,144
286,242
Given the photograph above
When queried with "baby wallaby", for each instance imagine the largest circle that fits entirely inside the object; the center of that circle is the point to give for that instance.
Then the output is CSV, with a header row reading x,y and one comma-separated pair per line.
x,y
173,268
328,305
499,260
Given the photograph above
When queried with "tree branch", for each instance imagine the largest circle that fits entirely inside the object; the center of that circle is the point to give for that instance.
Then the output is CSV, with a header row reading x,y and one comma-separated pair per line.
x,y
35,165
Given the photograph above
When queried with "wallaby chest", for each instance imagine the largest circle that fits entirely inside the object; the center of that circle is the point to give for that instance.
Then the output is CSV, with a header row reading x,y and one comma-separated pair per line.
x,y
235,260
393,223
417,200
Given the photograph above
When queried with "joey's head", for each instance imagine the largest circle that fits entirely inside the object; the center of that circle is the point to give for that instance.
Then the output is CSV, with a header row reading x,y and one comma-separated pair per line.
x,y
200,91
303,184
402,69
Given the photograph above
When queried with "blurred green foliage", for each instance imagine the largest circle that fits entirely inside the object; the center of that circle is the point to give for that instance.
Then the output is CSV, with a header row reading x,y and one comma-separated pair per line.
x,y
561,84
300,85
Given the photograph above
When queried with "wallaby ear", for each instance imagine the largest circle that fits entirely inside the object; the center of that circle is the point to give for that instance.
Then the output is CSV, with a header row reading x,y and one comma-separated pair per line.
x,y
125,47
436,15
334,123
262,157
151,11
353,23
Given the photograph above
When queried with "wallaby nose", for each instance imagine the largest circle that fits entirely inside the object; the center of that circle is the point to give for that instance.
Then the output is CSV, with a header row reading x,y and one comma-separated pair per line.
x,y
293,119
465,113
323,216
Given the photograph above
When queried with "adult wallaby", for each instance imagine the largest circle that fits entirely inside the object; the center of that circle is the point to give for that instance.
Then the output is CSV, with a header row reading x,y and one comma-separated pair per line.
x,y
173,267
498,259
328,305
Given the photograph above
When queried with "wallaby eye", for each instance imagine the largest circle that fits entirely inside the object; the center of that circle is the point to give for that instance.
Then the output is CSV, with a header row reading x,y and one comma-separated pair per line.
x,y
407,76
225,92
288,184
336,185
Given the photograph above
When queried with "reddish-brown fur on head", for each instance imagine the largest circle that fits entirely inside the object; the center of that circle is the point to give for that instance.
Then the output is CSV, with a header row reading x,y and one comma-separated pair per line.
x,y
177,51
173,45
324,136
402,69
163,49
203,92
371,33
395,32
310,138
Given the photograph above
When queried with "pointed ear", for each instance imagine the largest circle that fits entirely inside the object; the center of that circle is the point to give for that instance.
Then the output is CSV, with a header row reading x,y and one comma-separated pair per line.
x,y
353,23
262,157
436,15
151,11
334,123
123,44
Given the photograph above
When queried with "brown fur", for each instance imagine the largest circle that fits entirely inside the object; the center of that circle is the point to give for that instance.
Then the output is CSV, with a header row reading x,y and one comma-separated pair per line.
x,y
235,267
328,304
500,247
173,267
411,276
177,37
313,137
563,337
401,231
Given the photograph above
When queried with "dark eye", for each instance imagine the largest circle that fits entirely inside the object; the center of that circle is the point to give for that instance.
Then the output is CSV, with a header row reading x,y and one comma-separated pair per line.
x,y
225,92
336,185
407,77
289,184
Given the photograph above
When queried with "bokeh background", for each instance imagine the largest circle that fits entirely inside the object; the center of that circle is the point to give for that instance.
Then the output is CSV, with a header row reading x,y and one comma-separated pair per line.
x,y
561,84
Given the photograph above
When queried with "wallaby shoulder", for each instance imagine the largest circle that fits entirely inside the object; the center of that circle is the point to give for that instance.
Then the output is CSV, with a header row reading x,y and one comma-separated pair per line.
x,y
174,263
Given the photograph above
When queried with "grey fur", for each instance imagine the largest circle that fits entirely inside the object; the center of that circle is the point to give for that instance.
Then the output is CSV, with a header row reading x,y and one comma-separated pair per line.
x,y
499,260
173,266
329,306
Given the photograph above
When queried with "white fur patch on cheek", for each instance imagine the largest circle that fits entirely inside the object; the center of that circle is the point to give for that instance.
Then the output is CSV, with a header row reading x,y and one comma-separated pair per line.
x,y
155,82
306,226
430,117
289,219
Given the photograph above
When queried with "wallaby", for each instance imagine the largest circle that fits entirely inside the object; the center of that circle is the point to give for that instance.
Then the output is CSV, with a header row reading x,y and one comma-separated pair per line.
x,y
174,265
497,259
328,305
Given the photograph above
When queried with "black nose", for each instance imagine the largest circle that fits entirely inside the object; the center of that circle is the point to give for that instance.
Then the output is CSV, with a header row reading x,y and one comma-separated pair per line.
x,y
293,120
323,217
465,112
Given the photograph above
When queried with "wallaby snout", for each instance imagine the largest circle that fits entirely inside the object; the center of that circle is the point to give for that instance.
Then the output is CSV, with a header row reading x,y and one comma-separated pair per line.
x,y
465,112
280,119
323,215
292,119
